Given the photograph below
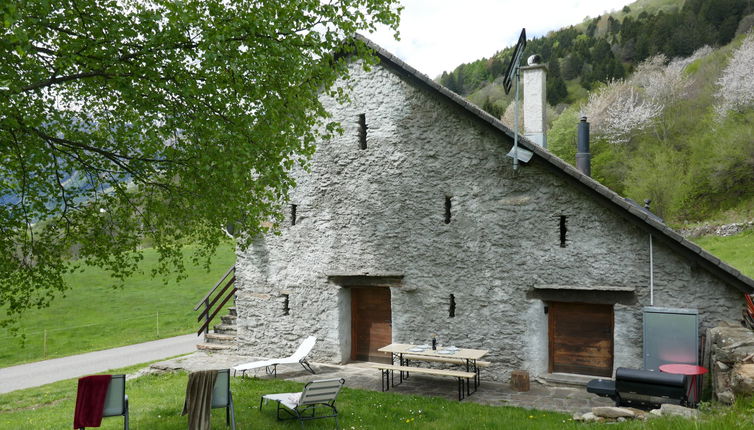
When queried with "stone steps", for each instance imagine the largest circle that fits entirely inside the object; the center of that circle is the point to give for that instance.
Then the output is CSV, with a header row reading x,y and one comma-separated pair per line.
x,y
225,329
223,335
219,338
213,347
229,319
568,379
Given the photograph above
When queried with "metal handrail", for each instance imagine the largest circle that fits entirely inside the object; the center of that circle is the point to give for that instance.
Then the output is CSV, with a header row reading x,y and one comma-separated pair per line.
x,y
232,269
209,304
205,326
208,314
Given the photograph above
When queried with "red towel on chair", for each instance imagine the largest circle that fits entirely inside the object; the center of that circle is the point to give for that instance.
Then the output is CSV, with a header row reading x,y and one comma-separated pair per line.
x,y
90,400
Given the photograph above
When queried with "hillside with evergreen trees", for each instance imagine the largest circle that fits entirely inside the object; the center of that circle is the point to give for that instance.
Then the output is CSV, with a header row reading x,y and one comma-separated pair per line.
x,y
669,90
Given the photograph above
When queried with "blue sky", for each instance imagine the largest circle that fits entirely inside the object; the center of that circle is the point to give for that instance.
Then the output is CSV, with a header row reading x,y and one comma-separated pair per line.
x,y
438,35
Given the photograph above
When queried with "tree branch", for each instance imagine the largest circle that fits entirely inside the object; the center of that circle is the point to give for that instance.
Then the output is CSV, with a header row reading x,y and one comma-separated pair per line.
x,y
24,207
112,156
63,195
60,79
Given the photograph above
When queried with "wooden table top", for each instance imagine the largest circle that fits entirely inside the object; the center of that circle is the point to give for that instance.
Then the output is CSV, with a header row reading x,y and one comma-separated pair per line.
x,y
462,353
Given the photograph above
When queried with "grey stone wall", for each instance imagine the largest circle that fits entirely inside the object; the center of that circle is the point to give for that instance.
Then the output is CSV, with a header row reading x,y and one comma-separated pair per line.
x,y
731,362
381,210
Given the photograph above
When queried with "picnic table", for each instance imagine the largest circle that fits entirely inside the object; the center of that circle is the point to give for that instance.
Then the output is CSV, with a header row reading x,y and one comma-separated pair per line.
x,y
404,353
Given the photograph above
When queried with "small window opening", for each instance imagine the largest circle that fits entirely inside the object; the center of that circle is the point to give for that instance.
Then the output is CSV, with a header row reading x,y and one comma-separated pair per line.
x,y
452,308
563,231
293,214
286,304
448,205
362,131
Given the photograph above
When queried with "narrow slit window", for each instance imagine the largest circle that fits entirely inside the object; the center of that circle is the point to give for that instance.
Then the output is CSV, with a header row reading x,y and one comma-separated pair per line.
x,y
452,307
293,214
448,205
362,131
563,231
286,304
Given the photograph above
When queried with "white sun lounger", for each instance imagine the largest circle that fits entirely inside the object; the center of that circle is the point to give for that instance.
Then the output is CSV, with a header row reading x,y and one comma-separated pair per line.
x,y
271,365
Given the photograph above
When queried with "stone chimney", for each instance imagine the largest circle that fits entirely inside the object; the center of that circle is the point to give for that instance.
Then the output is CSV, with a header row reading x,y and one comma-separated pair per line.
x,y
535,100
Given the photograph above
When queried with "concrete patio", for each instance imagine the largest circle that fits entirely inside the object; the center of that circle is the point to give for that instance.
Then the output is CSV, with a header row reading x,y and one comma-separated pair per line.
x,y
542,396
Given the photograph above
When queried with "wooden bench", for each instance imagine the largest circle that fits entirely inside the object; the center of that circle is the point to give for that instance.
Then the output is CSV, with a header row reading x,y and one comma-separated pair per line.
x,y
388,376
449,360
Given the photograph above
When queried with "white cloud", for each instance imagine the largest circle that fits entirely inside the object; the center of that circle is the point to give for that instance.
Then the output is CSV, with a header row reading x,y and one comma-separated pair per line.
x,y
439,35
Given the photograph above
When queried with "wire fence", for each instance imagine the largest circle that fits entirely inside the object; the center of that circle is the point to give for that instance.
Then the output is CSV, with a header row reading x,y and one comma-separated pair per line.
x,y
61,340
155,316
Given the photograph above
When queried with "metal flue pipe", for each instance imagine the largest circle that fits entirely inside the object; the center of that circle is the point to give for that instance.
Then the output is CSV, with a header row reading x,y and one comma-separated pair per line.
x,y
583,156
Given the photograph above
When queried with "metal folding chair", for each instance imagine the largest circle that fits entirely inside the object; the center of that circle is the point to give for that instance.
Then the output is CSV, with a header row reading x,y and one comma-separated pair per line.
x,y
223,398
116,400
317,396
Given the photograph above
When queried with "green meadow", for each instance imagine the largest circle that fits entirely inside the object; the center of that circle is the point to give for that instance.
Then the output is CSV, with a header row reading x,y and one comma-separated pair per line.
x,y
93,316
156,401
737,250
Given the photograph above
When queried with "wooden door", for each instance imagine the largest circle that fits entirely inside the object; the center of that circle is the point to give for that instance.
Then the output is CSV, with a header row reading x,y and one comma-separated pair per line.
x,y
371,324
581,338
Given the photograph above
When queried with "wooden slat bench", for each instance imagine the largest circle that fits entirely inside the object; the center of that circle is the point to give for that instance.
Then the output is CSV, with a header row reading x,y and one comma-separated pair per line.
x,y
388,376
407,358
449,360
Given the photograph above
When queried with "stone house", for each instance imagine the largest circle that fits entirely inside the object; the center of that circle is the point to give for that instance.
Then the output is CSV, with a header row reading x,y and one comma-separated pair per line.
x,y
413,222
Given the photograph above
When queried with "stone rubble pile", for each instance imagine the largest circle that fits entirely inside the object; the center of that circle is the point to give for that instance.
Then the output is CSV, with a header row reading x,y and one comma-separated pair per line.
x,y
732,362
620,414
716,230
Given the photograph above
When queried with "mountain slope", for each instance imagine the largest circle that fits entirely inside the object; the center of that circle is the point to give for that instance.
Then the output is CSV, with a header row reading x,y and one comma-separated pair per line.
x,y
664,124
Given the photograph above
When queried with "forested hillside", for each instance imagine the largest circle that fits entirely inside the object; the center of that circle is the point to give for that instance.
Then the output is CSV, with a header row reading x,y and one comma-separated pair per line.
x,y
669,90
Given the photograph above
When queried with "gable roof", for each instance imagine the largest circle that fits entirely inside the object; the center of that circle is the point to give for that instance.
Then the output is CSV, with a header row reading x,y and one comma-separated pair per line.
x,y
632,212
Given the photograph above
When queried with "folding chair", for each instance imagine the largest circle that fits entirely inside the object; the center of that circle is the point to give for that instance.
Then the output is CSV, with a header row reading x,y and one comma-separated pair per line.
x,y
271,365
116,400
223,398
317,395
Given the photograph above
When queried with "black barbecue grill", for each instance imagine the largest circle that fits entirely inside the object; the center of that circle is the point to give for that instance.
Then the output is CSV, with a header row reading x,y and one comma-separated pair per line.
x,y
642,388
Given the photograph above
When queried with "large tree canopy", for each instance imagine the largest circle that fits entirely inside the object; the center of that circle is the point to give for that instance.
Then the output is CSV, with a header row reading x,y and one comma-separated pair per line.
x,y
122,120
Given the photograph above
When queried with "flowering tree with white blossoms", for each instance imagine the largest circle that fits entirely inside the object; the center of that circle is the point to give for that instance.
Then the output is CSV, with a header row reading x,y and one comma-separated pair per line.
x,y
736,85
618,110
666,83
622,108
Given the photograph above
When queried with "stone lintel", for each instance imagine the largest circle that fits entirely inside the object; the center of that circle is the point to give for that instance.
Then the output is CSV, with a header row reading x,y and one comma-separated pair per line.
x,y
366,279
596,288
260,296
584,294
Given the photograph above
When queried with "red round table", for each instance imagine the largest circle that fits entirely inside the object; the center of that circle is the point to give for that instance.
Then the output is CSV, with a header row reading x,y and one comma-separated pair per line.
x,y
691,370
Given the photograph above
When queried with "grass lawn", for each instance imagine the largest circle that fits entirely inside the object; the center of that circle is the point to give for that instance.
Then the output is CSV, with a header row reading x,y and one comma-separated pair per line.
x,y
737,250
93,316
156,402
